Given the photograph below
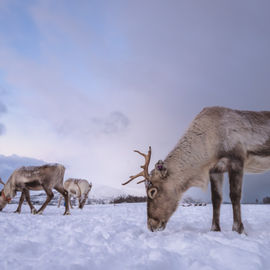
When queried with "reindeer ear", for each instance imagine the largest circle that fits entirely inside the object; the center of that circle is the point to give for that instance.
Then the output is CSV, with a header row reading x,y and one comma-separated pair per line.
x,y
161,169
152,192
1,181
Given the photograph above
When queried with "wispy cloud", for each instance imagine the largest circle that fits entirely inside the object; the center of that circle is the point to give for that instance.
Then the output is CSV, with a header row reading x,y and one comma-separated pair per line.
x,y
2,129
3,111
116,122
90,81
3,108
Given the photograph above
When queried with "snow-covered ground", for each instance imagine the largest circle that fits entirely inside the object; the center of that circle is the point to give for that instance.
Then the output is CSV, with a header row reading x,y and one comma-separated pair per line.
x,y
116,237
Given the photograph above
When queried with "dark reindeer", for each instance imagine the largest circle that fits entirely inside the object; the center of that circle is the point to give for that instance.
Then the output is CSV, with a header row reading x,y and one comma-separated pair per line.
x,y
44,177
219,140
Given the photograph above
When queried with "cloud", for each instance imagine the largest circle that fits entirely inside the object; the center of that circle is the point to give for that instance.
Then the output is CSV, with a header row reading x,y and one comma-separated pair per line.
x,y
116,122
3,110
89,127
100,81
2,129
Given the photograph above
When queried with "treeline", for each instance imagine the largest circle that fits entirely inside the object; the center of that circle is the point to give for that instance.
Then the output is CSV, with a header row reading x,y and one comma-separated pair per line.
x,y
38,199
128,199
266,200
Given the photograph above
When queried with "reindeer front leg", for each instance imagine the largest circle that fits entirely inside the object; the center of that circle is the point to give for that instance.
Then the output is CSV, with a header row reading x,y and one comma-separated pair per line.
x,y
59,201
236,179
82,201
216,180
27,196
18,210
69,199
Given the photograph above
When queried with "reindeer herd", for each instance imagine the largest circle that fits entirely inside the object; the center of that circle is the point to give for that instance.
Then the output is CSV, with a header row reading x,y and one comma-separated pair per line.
x,y
219,140
46,177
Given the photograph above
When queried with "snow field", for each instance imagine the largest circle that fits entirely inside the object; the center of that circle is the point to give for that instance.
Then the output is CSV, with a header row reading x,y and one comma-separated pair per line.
x,y
116,237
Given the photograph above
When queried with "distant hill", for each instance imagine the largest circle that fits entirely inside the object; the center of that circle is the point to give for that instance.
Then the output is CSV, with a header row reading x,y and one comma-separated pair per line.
x,y
10,163
107,194
99,192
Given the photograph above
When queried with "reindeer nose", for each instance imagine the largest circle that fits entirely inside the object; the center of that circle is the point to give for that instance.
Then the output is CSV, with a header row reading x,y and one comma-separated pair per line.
x,y
153,224
156,225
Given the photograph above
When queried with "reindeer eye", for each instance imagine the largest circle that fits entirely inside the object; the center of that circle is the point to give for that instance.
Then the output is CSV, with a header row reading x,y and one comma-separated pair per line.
x,y
148,184
152,192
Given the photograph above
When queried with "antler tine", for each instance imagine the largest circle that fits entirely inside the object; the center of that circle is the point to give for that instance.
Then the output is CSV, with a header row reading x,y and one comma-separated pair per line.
x,y
144,155
133,177
1,181
141,181
143,173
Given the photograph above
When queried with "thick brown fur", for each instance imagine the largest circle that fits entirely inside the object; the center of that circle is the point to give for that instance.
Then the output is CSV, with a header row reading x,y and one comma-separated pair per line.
x,y
219,140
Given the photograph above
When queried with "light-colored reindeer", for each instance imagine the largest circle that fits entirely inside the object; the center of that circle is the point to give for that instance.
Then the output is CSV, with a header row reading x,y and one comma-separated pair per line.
x,y
219,140
44,177
77,188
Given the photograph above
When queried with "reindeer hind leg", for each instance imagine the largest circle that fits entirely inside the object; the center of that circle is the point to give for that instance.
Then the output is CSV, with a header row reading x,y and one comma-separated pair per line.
x,y
49,198
62,191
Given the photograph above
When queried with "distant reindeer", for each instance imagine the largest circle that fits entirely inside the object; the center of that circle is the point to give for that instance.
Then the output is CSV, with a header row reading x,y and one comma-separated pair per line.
x,y
44,177
218,140
77,188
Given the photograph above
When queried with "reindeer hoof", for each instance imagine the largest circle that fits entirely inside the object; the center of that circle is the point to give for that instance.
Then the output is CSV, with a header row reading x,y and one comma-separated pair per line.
x,y
17,211
215,228
67,214
33,211
39,213
238,228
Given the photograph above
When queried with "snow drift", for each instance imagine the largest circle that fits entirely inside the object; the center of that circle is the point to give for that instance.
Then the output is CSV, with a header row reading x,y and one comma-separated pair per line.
x,y
116,237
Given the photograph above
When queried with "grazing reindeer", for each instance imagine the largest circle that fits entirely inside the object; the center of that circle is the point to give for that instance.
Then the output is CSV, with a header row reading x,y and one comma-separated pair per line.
x,y
77,188
218,140
44,177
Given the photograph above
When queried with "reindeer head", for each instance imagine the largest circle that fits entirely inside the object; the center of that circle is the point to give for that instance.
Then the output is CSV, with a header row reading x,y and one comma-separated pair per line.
x,y
4,198
162,200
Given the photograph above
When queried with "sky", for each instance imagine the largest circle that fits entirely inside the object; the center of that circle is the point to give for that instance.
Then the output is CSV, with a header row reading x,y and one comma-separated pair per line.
x,y
84,83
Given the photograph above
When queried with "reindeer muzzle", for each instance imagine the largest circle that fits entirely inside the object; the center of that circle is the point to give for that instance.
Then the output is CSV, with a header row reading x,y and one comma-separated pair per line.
x,y
156,225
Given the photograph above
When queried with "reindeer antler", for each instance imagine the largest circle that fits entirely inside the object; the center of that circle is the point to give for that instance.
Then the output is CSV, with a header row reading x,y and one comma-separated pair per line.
x,y
143,173
1,182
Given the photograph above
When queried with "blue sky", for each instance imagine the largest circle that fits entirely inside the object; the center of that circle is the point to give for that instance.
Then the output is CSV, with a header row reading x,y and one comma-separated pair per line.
x,y
84,83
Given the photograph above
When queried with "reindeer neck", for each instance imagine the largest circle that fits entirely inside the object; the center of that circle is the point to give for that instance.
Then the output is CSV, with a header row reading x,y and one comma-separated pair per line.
x,y
187,166
9,187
